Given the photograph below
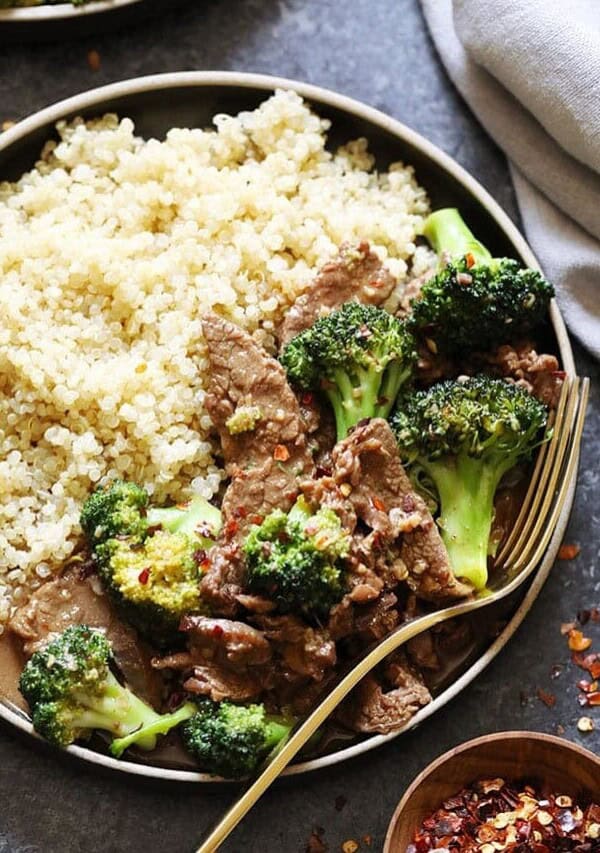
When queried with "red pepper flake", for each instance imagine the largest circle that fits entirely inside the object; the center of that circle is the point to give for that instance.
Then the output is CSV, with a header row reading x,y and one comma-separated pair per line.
x,y
367,839
217,631
240,512
378,503
577,642
256,519
568,552
231,528
93,60
593,699
549,699
144,576
307,398
204,564
470,259
315,842
281,453
586,685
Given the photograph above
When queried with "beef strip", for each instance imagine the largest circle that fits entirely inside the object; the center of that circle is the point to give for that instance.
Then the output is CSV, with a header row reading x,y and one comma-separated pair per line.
x,y
368,475
357,273
219,683
304,650
73,600
225,659
538,374
263,463
371,708
236,643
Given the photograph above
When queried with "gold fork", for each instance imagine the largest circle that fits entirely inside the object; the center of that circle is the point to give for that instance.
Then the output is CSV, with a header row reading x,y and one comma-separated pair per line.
x,y
551,479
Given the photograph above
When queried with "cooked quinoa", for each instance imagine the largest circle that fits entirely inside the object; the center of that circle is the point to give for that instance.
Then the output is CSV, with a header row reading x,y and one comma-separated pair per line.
x,y
111,248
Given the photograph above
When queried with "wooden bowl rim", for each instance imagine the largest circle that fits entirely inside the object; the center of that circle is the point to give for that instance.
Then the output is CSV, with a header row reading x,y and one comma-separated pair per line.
x,y
474,744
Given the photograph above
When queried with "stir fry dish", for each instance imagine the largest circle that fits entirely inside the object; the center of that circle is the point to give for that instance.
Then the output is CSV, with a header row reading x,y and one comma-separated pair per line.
x,y
368,469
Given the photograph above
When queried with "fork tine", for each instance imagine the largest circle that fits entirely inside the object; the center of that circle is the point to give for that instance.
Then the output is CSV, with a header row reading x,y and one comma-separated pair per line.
x,y
552,462
524,513
556,497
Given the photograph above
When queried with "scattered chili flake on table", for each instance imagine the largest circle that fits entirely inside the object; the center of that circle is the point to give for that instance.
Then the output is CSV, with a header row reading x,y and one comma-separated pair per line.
x,y
568,552
577,642
549,699
315,842
493,815
93,59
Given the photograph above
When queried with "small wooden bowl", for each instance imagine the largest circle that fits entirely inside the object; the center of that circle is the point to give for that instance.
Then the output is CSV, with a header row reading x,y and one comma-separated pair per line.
x,y
554,764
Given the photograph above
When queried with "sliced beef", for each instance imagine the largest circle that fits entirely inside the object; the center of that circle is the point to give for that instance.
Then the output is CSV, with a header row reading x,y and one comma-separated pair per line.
x,y
218,683
539,374
236,643
357,273
242,374
263,462
73,600
374,707
304,650
369,476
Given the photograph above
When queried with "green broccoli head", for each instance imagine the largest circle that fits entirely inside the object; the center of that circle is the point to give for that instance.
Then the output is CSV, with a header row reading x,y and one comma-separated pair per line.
x,y
475,301
296,559
152,572
71,691
465,435
358,356
116,509
232,740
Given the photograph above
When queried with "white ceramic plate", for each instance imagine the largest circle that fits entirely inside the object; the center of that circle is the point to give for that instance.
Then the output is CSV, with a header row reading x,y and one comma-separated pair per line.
x,y
191,99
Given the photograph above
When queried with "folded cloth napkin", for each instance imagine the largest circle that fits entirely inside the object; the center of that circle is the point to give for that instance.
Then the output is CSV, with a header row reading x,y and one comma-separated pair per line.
x,y
530,71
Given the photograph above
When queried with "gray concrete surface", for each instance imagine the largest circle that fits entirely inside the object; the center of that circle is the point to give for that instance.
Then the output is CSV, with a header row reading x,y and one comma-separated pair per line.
x,y
377,51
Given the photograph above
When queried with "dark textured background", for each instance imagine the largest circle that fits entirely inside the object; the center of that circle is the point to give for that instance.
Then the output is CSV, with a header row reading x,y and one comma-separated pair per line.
x,y
377,51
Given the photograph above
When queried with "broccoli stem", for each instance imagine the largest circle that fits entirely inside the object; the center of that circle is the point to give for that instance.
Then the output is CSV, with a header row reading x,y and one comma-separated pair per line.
x,y
194,518
277,733
446,231
145,737
466,488
371,395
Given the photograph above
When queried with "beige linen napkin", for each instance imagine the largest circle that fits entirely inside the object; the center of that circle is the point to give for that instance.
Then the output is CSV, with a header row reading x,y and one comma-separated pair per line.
x,y
530,71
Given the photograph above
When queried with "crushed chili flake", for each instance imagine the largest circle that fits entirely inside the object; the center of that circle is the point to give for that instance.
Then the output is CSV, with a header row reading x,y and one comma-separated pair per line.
x,y
307,398
549,699
378,503
487,817
240,512
256,519
93,60
367,839
568,552
470,259
316,843
281,453
577,642
231,528
144,576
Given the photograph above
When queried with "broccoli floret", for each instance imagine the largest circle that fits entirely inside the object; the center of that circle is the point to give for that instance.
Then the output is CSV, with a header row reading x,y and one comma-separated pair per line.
x,y
231,740
466,435
244,419
116,509
296,559
71,691
153,573
358,356
475,301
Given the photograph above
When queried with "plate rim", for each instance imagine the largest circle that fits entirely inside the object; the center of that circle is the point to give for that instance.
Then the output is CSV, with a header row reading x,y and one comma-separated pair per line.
x,y
317,94
60,12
